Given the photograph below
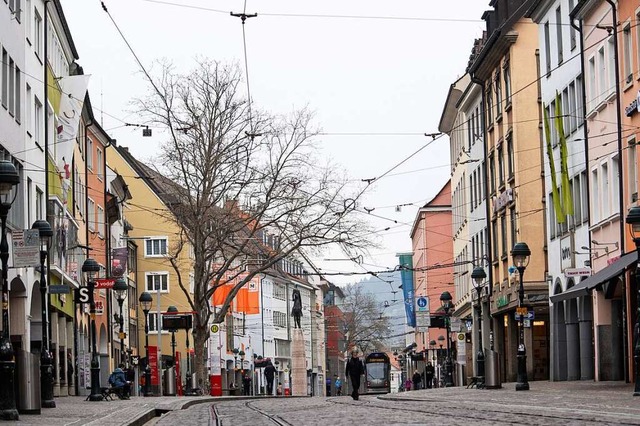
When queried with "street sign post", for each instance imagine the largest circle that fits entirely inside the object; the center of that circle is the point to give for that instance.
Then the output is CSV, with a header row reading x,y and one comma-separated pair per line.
x,y
423,316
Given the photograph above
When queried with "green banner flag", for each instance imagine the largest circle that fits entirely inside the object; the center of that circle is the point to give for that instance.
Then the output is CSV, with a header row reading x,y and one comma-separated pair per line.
x,y
554,187
567,201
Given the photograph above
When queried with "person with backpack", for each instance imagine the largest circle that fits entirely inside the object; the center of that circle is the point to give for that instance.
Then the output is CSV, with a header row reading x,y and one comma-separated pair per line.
x,y
338,383
118,380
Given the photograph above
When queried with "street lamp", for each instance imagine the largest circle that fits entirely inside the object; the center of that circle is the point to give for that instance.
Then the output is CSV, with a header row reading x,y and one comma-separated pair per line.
x,y
521,254
633,220
9,178
90,267
241,353
189,373
478,275
173,310
145,300
432,346
120,287
46,361
445,301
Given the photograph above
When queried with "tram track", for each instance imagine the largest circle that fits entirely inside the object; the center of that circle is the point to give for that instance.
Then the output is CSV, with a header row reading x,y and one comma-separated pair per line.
x,y
445,409
273,417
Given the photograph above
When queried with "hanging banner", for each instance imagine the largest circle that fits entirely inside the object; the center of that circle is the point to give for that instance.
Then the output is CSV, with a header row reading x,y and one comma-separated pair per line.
x,y
153,364
406,268
73,89
119,258
178,376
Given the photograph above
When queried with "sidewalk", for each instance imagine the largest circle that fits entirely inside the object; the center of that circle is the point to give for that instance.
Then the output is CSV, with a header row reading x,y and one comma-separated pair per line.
x,y
74,410
599,401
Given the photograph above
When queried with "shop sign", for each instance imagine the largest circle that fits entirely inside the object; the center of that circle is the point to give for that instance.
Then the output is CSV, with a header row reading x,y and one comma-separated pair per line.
x,y
633,107
502,301
566,252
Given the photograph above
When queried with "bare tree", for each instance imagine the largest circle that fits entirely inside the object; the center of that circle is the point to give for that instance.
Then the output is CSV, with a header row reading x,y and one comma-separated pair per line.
x,y
366,325
241,176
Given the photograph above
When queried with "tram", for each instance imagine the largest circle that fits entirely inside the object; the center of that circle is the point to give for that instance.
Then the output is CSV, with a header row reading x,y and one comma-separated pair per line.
x,y
378,373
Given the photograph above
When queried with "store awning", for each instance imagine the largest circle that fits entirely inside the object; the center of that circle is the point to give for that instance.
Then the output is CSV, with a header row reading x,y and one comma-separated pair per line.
x,y
585,286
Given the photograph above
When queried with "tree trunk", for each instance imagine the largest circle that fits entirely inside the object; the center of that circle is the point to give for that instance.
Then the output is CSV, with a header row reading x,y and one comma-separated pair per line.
x,y
200,337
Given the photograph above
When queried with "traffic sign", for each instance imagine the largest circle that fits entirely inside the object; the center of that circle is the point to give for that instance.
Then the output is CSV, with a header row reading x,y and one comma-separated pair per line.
x,y
528,315
59,289
215,328
522,310
422,304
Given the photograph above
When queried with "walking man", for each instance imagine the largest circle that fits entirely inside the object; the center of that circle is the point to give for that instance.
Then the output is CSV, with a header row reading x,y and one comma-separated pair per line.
x,y
269,374
354,370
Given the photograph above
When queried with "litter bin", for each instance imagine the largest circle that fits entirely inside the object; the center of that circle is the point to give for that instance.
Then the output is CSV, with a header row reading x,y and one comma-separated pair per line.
x,y
28,377
492,370
170,381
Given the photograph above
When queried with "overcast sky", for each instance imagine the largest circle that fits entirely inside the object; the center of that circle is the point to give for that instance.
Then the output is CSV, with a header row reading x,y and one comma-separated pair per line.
x,y
386,78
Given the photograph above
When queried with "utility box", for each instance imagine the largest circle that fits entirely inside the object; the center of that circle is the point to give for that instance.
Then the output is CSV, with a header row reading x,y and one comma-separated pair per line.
x,y
170,381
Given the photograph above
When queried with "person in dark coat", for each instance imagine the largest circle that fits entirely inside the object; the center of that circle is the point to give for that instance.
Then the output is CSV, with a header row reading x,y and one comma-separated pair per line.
x,y
118,380
429,372
416,380
269,374
354,370
246,384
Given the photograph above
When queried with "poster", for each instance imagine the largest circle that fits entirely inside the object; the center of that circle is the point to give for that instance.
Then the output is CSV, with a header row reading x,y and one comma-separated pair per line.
x,y
26,248
153,363
118,262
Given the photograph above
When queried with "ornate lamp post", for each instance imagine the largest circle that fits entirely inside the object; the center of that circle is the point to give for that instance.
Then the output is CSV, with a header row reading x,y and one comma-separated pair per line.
x,y
189,373
145,300
520,254
241,353
91,267
121,288
9,178
432,346
46,367
478,276
445,300
633,220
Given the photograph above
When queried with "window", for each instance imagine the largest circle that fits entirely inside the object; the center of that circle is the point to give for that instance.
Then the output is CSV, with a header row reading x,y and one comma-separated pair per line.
x,y
583,197
16,9
552,217
559,33
498,94
552,123
514,227
155,279
572,31
279,292
595,196
626,52
492,173
579,101
27,112
153,322
572,112
611,67
510,155
503,235
632,168
100,221
605,200
155,247
37,35
471,188
91,215
577,202
593,90
12,86
602,74
279,319
99,163
5,78
507,84
566,112
494,231
547,47
89,153
38,120
615,187
27,19
501,165
489,105
18,96
29,201
39,203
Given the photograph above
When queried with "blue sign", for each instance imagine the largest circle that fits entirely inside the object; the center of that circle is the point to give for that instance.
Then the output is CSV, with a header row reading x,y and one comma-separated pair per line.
x,y
422,302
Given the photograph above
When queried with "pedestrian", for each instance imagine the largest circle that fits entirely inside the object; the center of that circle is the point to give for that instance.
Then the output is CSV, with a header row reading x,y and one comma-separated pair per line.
x,y
416,380
429,372
246,384
69,369
118,380
407,385
279,389
328,383
269,374
338,386
354,370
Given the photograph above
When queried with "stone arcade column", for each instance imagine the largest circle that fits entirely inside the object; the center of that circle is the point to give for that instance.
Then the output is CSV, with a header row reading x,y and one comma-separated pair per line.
x,y
298,365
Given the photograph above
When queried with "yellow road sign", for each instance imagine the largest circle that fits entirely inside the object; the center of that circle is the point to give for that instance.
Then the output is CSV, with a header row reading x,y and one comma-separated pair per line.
x,y
215,328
